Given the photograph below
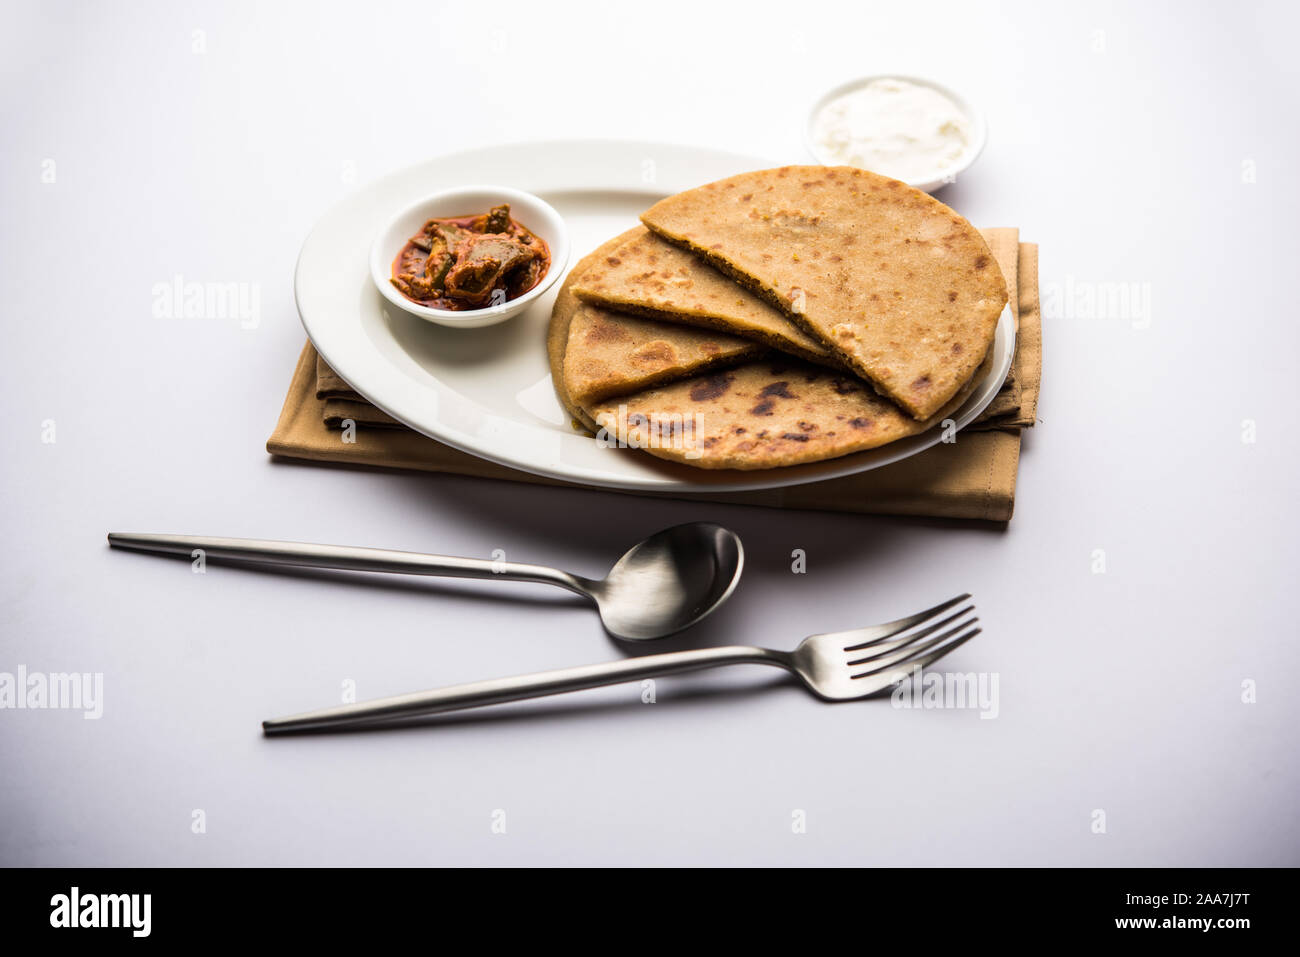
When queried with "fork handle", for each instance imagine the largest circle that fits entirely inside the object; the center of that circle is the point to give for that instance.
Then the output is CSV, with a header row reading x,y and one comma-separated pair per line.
x,y
346,557
538,685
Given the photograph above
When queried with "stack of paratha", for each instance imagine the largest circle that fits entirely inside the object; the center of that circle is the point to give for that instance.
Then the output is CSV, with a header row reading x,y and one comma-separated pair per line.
x,y
776,318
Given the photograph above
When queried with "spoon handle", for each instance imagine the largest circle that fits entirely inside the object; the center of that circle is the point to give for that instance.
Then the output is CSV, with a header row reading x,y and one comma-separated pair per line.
x,y
500,690
345,557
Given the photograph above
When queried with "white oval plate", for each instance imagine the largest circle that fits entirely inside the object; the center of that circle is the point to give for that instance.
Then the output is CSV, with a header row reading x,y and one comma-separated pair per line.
x,y
488,391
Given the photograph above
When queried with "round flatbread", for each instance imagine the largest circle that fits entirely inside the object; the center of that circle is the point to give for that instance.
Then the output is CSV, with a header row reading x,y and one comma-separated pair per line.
x,y
761,415
894,282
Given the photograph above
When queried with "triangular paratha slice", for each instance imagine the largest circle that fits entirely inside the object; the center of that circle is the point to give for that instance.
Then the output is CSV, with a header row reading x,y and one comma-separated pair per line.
x,y
615,352
649,276
611,353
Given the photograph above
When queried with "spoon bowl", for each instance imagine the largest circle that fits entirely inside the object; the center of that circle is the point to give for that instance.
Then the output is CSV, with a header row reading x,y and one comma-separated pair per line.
x,y
669,581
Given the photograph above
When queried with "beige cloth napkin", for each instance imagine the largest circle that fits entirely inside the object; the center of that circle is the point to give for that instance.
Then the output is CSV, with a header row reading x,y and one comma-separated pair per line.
x,y
972,478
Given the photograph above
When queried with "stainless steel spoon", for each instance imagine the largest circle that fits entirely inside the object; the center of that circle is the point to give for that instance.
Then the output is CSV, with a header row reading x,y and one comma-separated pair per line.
x,y
664,584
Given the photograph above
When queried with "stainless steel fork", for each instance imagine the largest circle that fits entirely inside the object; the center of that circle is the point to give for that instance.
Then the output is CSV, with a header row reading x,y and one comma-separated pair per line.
x,y
838,666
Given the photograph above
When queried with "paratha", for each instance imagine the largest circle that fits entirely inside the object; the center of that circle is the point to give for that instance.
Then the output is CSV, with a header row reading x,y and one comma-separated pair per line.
x,y
649,276
611,353
557,330
898,285
667,352
766,414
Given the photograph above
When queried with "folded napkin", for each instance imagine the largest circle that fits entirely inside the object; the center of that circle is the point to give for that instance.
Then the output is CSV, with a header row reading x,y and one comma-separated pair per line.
x,y
971,478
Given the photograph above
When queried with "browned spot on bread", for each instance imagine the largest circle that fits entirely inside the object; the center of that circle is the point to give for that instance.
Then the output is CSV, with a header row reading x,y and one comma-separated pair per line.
x,y
920,384
711,387
779,389
602,331
613,260
844,386
956,348
952,295
981,262
860,423
657,351
794,437
763,408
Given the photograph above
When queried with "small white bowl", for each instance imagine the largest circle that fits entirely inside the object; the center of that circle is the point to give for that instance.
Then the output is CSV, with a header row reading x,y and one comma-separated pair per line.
x,y
536,214
978,127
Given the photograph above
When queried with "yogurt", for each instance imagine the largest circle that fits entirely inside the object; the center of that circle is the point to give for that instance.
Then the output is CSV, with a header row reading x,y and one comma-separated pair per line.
x,y
896,128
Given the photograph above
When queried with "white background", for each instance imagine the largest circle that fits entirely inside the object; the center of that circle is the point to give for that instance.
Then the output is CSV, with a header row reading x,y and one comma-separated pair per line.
x,y
1119,137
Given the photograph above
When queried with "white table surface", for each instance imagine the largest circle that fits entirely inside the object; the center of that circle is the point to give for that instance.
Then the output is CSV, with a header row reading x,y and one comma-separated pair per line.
x,y
1121,137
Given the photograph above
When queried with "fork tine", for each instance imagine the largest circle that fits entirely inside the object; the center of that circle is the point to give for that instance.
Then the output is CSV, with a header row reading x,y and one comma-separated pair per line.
x,y
908,655
882,645
927,660
861,637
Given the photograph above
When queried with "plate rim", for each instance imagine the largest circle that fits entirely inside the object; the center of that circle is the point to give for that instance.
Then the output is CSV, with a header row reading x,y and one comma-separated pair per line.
x,y
666,477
